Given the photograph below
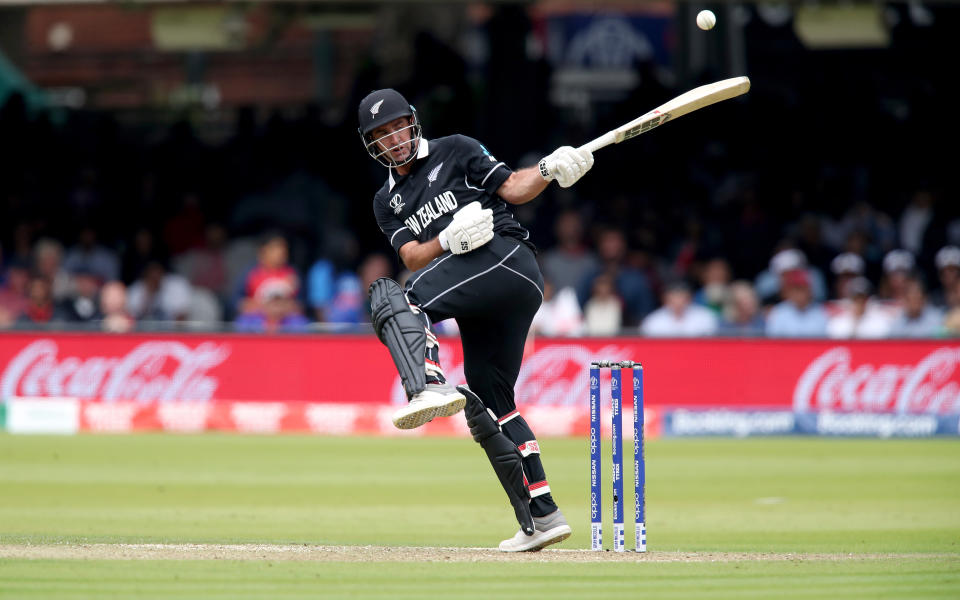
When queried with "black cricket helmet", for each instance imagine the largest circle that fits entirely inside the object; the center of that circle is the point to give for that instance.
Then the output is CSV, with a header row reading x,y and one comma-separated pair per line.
x,y
379,108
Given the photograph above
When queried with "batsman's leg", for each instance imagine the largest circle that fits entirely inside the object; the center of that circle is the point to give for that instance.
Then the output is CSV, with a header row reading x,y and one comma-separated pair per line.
x,y
405,330
551,525
504,456
492,355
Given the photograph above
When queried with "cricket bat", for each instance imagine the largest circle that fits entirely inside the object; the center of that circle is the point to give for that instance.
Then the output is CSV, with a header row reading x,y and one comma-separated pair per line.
x,y
695,99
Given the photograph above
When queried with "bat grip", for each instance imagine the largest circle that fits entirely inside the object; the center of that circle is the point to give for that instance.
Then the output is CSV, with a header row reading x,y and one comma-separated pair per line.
x,y
606,139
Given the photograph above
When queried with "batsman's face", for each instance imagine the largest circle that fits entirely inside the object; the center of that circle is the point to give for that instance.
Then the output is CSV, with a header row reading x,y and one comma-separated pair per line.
x,y
395,138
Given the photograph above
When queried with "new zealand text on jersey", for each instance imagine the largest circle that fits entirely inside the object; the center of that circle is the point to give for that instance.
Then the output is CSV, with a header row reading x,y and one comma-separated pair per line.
x,y
439,206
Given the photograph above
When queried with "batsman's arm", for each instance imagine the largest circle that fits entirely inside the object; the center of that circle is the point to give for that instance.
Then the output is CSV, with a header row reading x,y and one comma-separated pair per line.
x,y
522,186
416,256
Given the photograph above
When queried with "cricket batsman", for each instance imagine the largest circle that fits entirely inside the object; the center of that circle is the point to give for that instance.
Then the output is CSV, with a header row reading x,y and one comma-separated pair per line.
x,y
444,210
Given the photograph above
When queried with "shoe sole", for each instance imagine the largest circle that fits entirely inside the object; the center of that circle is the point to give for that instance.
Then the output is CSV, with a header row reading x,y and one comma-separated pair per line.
x,y
453,407
563,533
448,408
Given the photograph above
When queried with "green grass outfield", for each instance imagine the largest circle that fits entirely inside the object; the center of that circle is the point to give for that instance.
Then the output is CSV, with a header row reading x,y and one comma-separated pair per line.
x,y
797,517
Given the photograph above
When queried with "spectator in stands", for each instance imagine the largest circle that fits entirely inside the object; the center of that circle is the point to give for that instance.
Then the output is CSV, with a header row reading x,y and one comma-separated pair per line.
x,y
631,284
679,316
861,317
278,311
603,314
915,220
7,319
159,295
347,305
786,261
741,316
41,308
947,261
845,268
272,271
559,315
205,310
918,319
88,253
898,266
715,285
567,263
797,315
48,263
82,304
13,294
206,266
321,284
113,308
866,231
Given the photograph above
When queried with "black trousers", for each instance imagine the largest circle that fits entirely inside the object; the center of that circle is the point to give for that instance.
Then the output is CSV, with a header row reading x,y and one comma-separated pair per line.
x,y
493,293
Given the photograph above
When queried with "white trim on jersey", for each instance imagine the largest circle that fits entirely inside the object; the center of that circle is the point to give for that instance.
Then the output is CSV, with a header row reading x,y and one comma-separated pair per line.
x,y
425,271
539,291
453,287
466,183
396,232
495,167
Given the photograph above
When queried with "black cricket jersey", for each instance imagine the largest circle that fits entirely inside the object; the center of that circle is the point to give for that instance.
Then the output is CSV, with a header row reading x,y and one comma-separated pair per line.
x,y
449,173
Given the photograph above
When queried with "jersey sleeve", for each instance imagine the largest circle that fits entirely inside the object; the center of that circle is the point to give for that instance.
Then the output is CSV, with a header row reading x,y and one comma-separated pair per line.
x,y
396,231
482,168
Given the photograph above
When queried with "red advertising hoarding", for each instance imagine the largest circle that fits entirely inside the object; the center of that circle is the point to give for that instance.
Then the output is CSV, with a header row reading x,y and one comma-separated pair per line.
x,y
197,381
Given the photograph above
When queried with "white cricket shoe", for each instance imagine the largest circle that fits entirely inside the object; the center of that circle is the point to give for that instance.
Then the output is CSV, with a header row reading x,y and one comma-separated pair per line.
x,y
436,400
550,529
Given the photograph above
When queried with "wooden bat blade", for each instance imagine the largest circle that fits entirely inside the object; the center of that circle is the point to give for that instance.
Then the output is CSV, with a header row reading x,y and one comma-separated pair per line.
x,y
685,103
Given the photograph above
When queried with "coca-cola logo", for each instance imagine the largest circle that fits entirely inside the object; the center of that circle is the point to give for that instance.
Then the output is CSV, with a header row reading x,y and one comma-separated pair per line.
x,y
833,382
155,370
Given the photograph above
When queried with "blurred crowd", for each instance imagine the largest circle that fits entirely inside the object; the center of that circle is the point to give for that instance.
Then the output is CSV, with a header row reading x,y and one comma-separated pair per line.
x,y
831,279
811,288
270,229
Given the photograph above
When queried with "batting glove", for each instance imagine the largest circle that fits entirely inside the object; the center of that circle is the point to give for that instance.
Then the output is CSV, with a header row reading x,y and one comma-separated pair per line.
x,y
566,164
471,228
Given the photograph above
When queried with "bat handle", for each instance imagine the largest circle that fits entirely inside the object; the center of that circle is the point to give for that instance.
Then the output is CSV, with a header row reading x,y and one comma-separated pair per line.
x,y
604,140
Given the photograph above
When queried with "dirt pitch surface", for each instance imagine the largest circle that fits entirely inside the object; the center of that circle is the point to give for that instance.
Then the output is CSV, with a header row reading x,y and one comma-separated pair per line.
x,y
363,554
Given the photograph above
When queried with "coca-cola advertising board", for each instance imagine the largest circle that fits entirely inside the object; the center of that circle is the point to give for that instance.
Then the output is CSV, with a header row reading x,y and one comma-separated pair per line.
x,y
347,384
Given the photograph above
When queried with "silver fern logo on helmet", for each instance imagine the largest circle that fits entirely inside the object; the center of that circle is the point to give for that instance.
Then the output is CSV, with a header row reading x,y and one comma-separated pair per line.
x,y
396,143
